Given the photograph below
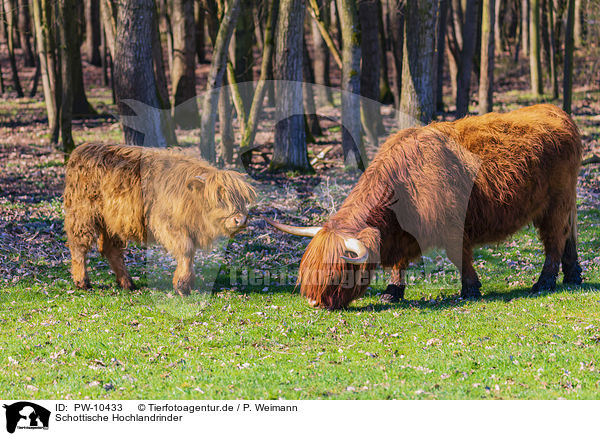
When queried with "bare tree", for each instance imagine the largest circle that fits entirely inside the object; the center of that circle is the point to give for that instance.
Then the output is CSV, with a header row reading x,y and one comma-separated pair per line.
x,y
525,27
134,72
354,154
183,73
465,67
215,80
497,29
368,13
396,11
310,109
24,18
68,45
578,23
46,39
249,130
92,32
417,100
321,58
569,49
441,50
81,107
199,15
553,56
289,150
242,56
486,75
8,9
535,64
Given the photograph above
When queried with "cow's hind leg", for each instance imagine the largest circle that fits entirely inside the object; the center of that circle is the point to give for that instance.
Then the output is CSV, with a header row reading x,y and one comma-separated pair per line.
x,y
395,289
464,261
78,267
554,229
112,248
81,233
570,264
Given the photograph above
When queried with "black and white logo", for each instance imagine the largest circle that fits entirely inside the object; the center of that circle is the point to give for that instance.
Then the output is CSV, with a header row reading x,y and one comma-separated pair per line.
x,y
26,415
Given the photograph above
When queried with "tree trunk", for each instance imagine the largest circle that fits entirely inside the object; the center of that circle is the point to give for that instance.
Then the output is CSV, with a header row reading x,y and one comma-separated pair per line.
x,y
25,32
497,29
36,80
417,100
396,10
134,73
45,39
368,13
241,52
465,67
2,90
68,43
81,106
108,14
441,52
215,80
535,66
525,27
321,61
385,92
486,75
247,143
183,74
569,48
92,32
289,150
225,124
159,72
354,154
199,14
310,110
323,27
578,24
553,59
8,7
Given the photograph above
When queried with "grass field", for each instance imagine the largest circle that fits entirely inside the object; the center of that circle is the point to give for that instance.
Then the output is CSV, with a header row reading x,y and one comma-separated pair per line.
x,y
107,343
262,340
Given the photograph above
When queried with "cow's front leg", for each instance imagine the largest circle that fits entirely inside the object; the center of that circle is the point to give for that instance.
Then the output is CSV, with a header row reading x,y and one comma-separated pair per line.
x,y
395,289
183,279
464,262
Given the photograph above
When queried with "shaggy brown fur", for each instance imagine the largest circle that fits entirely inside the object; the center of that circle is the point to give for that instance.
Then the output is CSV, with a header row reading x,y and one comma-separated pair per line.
x,y
114,194
523,168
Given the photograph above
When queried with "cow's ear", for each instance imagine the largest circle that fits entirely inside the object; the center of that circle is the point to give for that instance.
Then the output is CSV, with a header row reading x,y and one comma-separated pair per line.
x,y
196,183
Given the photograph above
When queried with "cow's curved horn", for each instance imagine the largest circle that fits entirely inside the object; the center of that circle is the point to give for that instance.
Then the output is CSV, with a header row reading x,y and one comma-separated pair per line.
x,y
293,230
358,248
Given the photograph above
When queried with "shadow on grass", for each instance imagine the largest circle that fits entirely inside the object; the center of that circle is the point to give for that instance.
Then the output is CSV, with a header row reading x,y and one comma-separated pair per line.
x,y
455,300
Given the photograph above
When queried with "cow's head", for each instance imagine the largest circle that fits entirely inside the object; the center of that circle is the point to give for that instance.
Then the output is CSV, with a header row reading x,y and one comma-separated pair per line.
x,y
336,267
225,197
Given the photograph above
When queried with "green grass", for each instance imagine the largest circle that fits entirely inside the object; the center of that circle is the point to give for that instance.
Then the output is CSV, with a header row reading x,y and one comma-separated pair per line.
x,y
58,342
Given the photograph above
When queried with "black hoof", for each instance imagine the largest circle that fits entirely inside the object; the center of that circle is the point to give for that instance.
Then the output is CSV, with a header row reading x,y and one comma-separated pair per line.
x,y
572,275
471,290
392,294
83,284
544,284
470,293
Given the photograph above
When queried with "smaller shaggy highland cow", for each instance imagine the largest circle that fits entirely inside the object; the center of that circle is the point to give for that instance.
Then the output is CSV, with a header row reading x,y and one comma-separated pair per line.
x,y
115,194
454,185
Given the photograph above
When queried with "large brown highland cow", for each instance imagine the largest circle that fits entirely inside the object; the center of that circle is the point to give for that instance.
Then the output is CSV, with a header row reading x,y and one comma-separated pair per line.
x,y
114,194
453,185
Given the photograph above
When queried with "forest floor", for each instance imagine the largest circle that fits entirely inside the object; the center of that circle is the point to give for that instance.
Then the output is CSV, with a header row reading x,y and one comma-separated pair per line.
x,y
246,333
